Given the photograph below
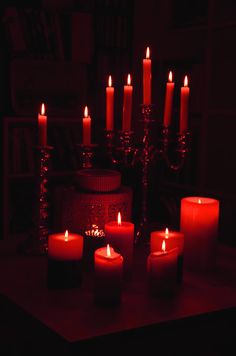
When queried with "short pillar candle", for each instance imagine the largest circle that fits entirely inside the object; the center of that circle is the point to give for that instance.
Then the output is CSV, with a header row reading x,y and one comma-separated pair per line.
x,y
162,272
120,235
173,239
108,266
199,223
65,253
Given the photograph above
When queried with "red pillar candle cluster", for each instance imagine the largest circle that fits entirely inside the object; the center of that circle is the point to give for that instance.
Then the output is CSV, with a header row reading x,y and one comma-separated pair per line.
x,y
108,266
184,101
168,100
42,127
147,78
127,105
86,127
199,222
120,235
162,271
109,105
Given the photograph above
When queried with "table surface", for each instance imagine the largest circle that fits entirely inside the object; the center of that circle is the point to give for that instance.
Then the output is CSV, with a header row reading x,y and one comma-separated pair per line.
x,y
73,315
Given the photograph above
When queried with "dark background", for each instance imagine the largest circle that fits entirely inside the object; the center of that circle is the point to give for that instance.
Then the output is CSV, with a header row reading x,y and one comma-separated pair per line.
x,y
61,52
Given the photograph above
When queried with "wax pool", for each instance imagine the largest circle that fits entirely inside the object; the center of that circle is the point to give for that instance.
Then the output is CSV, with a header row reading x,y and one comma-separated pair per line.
x,y
199,223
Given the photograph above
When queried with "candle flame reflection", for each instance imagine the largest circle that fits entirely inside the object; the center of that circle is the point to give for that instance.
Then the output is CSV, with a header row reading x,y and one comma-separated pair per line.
x,y
170,77
119,219
108,251
163,246
166,233
129,79
147,53
185,81
42,109
86,111
66,235
109,81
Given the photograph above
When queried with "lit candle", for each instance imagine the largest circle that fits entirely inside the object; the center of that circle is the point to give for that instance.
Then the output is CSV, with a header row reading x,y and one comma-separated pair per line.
x,y
42,127
108,266
168,101
199,223
173,239
147,78
162,271
120,235
109,105
65,253
127,105
86,127
184,106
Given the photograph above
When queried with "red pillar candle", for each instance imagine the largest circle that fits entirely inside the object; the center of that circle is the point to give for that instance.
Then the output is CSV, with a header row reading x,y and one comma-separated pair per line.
x,y
184,99
109,105
127,105
42,127
173,239
168,101
147,78
162,271
86,127
199,223
120,235
108,266
65,246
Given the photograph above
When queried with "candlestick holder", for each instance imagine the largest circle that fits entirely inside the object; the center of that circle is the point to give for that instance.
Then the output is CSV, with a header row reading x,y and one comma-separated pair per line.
x,y
87,153
145,153
37,243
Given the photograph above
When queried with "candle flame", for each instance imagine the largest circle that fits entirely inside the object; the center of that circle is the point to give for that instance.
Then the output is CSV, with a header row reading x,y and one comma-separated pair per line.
x,y
108,251
186,81
163,246
66,235
199,201
129,79
119,219
166,233
170,77
110,81
147,53
86,111
42,109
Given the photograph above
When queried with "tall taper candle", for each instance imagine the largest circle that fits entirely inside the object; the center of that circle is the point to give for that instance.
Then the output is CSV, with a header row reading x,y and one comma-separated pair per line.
x,y
42,127
168,100
127,105
184,100
109,105
86,127
147,78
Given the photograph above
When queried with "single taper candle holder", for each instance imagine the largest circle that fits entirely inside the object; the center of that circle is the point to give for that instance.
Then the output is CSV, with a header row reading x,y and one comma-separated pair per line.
x,y
37,242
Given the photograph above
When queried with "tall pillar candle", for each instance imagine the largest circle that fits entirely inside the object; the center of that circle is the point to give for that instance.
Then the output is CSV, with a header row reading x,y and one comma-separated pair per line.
x,y
184,101
86,127
147,78
127,105
168,101
108,266
162,271
199,222
173,239
120,235
109,105
42,127
65,253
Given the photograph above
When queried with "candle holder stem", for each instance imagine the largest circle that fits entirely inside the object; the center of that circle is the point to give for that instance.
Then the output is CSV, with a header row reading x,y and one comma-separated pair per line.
x,y
37,243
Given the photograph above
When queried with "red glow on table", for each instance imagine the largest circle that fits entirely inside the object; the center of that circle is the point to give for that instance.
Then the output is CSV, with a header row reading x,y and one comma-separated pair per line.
x,y
109,105
127,105
42,126
168,101
199,223
120,235
86,127
147,77
184,101
65,246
